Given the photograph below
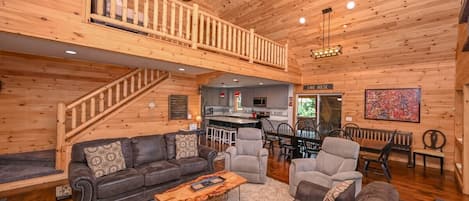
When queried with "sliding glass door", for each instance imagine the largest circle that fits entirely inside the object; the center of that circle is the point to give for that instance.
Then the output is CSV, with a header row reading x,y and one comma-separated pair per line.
x,y
325,110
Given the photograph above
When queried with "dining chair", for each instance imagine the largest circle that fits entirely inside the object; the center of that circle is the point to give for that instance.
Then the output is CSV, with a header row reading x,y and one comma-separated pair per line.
x,y
267,127
351,130
433,143
286,147
309,148
305,122
381,158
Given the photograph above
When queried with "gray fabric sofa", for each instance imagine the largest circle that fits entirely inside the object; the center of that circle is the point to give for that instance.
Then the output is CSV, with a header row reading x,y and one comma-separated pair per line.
x,y
335,163
248,158
151,168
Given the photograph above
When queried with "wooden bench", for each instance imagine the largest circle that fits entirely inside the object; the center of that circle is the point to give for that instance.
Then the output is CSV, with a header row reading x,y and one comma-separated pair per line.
x,y
402,140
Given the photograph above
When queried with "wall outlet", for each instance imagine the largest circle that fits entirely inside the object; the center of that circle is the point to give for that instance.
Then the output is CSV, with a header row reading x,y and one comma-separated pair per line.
x,y
348,119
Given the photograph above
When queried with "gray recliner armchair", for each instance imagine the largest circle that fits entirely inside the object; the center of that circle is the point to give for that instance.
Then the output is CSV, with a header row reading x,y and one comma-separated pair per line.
x,y
335,163
248,158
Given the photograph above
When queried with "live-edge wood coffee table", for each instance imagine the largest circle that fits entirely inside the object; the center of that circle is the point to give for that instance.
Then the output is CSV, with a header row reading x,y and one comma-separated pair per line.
x,y
184,191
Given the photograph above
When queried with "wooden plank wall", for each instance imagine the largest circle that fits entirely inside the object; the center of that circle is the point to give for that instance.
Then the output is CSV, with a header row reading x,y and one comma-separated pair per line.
x,y
387,44
139,119
32,87
462,58
64,21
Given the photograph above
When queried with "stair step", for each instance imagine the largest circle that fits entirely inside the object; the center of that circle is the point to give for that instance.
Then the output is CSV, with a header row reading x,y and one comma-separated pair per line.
x,y
44,158
10,173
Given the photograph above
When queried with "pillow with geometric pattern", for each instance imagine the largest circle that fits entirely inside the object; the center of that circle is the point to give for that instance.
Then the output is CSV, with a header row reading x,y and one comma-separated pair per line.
x,y
186,146
335,191
105,159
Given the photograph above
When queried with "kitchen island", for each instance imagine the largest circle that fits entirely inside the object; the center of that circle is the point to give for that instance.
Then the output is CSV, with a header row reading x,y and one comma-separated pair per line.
x,y
232,122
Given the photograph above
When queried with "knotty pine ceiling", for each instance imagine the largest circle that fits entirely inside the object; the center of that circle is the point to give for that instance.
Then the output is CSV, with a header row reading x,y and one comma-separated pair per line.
x,y
378,32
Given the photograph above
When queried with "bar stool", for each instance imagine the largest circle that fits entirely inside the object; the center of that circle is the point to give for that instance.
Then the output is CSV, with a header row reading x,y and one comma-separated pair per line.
x,y
232,134
209,134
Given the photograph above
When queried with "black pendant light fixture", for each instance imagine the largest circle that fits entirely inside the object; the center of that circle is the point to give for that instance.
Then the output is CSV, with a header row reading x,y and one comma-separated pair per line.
x,y
326,51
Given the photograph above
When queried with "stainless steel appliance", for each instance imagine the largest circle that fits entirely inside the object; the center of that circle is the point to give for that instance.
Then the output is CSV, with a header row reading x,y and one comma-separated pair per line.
x,y
260,101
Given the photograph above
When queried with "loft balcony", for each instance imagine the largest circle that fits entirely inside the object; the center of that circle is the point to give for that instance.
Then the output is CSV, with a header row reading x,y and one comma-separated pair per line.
x,y
188,26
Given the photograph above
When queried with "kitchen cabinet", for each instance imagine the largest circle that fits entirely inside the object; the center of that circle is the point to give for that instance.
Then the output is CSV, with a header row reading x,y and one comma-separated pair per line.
x,y
277,96
246,97
212,97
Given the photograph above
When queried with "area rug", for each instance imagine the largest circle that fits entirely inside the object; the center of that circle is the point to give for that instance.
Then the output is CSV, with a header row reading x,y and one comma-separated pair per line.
x,y
272,190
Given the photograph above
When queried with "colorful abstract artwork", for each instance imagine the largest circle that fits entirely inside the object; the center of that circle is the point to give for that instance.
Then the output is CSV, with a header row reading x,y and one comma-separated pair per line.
x,y
393,104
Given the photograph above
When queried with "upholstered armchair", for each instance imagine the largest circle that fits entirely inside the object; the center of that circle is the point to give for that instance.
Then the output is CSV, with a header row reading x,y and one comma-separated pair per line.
x,y
335,163
248,158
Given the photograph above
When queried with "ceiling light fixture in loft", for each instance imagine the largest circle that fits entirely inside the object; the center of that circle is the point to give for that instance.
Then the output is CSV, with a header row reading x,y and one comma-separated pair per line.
x,y
351,5
326,51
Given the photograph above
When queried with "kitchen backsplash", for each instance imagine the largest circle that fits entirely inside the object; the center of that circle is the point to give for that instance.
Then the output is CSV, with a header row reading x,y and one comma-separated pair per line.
x,y
275,114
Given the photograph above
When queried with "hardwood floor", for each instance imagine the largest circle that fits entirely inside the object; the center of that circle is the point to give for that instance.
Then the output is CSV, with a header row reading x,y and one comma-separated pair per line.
x,y
413,184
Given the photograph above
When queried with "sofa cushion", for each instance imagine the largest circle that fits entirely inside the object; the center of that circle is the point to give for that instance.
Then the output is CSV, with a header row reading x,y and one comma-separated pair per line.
x,y
171,143
78,153
246,164
186,146
191,165
337,190
105,159
119,182
159,172
148,149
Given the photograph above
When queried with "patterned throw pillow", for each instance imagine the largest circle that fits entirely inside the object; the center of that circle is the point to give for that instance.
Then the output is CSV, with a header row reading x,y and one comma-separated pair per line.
x,y
186,146
105,159
335,192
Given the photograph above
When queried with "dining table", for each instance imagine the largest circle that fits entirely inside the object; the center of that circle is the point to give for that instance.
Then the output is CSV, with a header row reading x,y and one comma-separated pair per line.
x,y
297,136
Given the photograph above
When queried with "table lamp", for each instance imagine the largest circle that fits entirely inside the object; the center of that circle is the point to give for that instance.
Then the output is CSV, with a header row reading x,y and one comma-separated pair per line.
x,y
198,118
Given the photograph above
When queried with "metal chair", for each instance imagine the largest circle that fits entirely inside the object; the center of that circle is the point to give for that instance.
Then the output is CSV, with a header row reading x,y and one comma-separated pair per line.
x,y
286,147
433,147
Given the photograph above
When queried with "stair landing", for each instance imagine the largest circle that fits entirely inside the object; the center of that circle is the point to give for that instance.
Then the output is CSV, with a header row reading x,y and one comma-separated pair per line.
x,y
22,166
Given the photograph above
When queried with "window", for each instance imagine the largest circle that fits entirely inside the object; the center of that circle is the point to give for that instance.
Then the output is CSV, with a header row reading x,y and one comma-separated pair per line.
x,y
237,101
307,107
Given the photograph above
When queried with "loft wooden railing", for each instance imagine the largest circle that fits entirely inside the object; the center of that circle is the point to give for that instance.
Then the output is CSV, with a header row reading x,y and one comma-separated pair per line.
x,y
174,20
74,117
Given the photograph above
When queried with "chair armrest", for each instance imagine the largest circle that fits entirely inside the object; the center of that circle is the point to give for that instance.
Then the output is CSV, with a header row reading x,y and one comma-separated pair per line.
x,y
82,181
208,154
350,175
303,164
230,153
263,153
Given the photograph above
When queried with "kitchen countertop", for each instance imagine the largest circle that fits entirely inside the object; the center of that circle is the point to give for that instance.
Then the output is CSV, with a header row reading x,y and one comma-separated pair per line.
x,y
233,120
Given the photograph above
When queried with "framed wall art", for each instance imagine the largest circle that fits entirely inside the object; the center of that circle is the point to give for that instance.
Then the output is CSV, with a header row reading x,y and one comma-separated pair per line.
x,y
393,104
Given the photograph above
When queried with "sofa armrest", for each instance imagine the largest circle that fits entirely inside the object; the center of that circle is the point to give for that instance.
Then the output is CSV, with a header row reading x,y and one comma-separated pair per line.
x,y
82,181
230,153
263,153
350,175
208,154
308,191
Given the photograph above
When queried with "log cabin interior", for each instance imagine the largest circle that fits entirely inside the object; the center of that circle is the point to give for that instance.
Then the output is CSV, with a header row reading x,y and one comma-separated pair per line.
x,y
337,99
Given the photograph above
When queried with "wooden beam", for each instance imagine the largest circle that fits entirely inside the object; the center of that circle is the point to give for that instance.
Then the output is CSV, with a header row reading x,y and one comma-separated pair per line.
x,y
204,79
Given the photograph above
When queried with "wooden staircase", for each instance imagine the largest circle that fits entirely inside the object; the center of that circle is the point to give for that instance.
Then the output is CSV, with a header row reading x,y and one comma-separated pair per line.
x,y
75,117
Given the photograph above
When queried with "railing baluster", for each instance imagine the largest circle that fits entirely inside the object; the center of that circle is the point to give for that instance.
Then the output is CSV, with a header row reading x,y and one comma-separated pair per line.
x,y
157,74
251,45
238,49
164,20
109,97
139,81
124,10
152,75
214,32
155,14
224,36
93,107
113,9
219,35
173,18
124,90
201,29
132,84
181,11
145,77
101,102
100,7
195,21
285,57
229,38
136,11
207,32
188,24
74,118
118,92
243,43
145,13
83,112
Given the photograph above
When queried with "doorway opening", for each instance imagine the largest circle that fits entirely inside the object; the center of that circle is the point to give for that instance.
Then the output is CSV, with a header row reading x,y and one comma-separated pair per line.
x,y
324,110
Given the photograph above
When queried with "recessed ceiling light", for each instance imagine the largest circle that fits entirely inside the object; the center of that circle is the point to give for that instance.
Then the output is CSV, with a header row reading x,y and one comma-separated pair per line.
x,y
345,26
302,20
261,83
70,52
181,69
351,5
235,80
